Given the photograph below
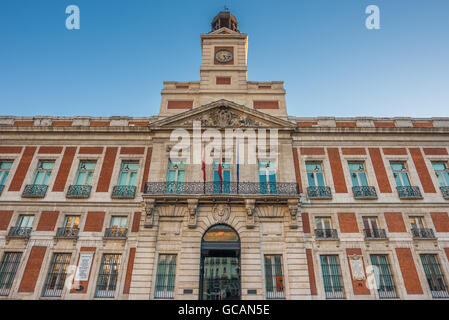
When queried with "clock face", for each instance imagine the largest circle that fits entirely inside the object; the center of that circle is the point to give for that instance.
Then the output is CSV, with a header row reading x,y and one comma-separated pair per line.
x,y
224,55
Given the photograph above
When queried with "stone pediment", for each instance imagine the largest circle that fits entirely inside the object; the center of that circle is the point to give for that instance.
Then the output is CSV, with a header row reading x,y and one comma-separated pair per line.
x,y
224,30
222,114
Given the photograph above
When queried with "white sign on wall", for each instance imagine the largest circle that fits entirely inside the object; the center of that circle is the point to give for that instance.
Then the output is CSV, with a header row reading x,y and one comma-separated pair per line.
x,y
357,267
82,272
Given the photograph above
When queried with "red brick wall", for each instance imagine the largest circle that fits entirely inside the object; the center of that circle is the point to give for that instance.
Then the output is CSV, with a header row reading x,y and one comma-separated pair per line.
x,y
395,151
100,123
32,269
10,150
223,80
266,104
310,268
61,123
136,222
423,124
146,170
129,270
106,169
408,270
422,170
379,170
337,170
305,222
358,286
297,171
312,151
176,104
353,151
91,150
49,150
22,169
64,169
138,123
348,223
84,284
94,222
440,221
395,222
47,221
435,151
306,124
132,150
5,218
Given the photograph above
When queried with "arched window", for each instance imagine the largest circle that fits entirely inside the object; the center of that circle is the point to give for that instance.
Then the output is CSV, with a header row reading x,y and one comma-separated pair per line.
x,y
221,233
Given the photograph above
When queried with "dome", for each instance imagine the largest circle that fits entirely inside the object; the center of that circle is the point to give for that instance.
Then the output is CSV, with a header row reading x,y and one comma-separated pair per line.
x,y
225,19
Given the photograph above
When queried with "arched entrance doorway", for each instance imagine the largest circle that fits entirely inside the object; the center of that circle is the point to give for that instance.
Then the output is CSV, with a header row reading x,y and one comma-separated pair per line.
x,y
220,264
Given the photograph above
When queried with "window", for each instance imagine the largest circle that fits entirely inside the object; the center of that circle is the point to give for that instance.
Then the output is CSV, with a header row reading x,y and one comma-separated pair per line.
x,y
226,187
332,279
23,226
5,167
165,279
85,173
176,176
25,221
358,174
57,274
400,174
8,268
274,277
324,228
371,228
107,279
118,227
435,277
70,227
315,174
128,173
383,276
43,173
267,176
417,222
419,230
442,173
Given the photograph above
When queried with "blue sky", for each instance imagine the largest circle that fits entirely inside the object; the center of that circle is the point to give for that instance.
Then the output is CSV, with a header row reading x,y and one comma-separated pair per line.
x,y
331,64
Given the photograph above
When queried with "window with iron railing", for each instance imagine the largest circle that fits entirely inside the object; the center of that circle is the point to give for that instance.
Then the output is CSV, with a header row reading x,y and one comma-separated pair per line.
x,y
403,184
360,187
332,278
38,188
107,278
371,228
384,278
118,227
317,188
70,227
419,229
8,269
165,278
274,277
57,274
126,188
324,228
23,227
434,275
5,167
176,177
83,181
442,172
267,176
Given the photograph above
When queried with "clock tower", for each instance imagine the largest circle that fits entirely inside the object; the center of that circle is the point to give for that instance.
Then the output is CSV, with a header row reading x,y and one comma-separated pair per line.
x,y
224,53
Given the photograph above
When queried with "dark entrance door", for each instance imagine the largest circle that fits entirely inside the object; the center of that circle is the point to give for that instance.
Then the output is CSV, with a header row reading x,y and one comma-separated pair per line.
x,y
220,264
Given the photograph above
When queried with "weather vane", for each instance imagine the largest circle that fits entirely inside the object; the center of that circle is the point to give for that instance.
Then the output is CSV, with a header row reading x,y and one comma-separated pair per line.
x,y
226,7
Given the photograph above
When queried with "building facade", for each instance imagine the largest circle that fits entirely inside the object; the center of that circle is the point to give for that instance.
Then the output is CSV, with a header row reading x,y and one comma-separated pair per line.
x,y
347,208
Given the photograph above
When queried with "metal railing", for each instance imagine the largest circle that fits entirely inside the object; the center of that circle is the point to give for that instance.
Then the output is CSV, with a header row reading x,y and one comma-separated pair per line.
x,y
409,192
364,192
438,287
19,232
244,188
326,234
387,292
423,233
70,233
34,191
335,294
124,192
79,191
319,192
8,269
444,191
116,233
375,233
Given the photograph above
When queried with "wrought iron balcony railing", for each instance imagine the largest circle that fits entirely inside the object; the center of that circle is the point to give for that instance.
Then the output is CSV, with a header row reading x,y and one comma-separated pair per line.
x,y
423,233
364,192
409,192
1,189
337,294
35,191
116,233
19,232
375,233
438,287
387,292
319,192
68,233
209,188
79,191
124,192
444,191
330,234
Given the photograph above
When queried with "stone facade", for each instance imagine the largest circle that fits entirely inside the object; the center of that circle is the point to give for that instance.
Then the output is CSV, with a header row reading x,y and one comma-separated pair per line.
x,y
285,223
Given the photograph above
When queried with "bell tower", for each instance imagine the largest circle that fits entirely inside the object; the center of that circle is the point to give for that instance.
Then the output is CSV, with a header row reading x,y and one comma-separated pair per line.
x,y
224,56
